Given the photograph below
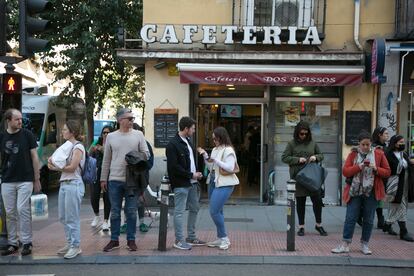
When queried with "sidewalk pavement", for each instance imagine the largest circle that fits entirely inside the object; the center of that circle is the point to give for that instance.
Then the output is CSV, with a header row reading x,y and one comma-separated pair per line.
x,y
257,234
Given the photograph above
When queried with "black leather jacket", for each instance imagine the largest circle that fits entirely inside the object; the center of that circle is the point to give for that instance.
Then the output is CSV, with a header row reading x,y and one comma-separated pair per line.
x,y
179,163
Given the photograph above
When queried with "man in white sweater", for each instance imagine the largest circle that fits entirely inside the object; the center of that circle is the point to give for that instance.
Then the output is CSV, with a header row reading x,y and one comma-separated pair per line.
x,y
113,177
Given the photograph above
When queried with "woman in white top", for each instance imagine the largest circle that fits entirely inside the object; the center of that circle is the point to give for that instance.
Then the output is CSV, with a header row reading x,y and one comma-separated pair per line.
x,y
221,184
71,190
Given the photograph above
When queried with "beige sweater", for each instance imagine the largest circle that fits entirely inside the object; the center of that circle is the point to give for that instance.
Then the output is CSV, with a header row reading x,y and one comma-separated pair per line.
x,y
117,145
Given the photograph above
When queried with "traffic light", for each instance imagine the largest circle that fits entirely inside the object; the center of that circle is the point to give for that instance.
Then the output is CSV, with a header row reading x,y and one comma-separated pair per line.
x,y
11,91
30,27
4,28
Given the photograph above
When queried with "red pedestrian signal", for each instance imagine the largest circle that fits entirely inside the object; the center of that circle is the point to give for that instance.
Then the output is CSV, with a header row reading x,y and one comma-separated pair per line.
x,y
12,83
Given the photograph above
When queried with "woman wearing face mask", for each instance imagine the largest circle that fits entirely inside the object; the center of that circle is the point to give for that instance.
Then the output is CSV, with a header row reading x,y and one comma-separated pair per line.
x,y
400,165
364,168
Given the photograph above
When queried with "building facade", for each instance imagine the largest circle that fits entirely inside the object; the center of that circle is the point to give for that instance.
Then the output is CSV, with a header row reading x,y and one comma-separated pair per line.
x,y
257,67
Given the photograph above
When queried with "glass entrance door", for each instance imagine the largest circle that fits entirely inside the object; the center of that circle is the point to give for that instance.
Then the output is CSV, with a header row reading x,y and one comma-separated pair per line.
x,y
243,123
323,115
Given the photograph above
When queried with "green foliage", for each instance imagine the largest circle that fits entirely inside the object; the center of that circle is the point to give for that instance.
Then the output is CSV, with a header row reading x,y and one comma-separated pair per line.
x,y
86,33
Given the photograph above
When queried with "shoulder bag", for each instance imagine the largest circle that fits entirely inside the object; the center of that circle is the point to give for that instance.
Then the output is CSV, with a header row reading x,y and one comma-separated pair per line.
x,y
311,176
224,172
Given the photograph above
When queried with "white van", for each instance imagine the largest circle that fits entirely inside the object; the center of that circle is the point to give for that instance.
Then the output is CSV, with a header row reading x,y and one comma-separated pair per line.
x,y
45,116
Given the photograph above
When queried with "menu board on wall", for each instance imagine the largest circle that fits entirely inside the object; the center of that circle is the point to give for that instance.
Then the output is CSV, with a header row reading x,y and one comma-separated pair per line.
x,y
165,126
355,122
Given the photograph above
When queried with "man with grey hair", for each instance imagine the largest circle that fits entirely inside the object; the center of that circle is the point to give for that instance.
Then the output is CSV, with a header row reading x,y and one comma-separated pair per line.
x,y
117,145
20,177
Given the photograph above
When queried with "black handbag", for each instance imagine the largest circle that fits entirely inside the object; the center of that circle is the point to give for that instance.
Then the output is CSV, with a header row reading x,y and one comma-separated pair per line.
x,y
311,176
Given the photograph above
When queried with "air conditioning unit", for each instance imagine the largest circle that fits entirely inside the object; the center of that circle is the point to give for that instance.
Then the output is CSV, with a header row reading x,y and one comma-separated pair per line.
x,y
293,13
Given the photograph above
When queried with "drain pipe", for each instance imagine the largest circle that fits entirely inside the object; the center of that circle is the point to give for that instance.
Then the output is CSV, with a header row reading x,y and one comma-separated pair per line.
x,y
401,76
356,23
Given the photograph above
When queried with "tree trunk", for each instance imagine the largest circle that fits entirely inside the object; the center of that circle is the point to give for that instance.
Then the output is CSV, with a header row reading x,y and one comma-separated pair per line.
x,y
90,105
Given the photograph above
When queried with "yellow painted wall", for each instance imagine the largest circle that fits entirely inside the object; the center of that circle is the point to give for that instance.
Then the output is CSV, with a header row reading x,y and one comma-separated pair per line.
x,y
377,19
158,88
215,12
358,98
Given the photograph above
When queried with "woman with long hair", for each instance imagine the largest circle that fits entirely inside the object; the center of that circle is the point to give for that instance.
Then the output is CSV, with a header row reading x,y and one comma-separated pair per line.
x,y
300,150
380,138
97,152
222,179
364,168
71,190
400,165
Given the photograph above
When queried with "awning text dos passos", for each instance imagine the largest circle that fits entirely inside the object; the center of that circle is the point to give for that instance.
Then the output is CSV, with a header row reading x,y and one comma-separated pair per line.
x,y
276,79
277,75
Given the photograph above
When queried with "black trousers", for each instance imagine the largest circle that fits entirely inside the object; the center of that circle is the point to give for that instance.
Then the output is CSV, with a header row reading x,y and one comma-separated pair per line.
x,y
317,208
96,196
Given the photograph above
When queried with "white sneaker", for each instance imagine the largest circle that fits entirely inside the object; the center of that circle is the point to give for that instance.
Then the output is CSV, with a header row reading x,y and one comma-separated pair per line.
x,y
222,243
63,250
95,221
365,249
343,248
72,252
105,226
215,243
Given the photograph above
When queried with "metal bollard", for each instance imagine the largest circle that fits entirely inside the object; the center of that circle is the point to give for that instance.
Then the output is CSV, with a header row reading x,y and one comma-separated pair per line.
x,y
291,188
165,191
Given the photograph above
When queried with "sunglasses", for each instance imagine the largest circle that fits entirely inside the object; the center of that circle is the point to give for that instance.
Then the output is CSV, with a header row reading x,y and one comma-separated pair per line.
x,y
105,132
130,118
303,133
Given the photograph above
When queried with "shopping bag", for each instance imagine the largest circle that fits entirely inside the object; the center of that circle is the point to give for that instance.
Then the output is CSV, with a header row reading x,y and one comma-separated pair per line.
x,y
391,188
39,207
311,176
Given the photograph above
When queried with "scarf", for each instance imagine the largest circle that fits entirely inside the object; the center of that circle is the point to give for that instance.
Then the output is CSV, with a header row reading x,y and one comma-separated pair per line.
x,y
363,181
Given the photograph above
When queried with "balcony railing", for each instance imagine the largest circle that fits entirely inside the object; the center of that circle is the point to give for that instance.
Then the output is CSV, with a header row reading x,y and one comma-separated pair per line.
x,y
282,13
404,19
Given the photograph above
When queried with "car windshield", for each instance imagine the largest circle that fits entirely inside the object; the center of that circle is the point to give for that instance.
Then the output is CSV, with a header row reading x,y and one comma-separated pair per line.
x,y
34,123
98,125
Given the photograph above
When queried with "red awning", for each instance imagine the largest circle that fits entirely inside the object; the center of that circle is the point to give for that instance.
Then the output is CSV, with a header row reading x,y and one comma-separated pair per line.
x,y
277,75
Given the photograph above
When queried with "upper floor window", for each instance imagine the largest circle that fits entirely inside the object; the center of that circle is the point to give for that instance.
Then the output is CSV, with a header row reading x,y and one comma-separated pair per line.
x,y
281,13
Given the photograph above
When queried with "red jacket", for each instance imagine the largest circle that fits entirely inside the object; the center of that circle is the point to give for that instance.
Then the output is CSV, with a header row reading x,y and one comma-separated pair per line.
x,y
383,171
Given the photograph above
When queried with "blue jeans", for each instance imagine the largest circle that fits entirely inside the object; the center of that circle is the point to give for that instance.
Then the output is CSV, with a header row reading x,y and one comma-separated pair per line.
x,y
368,204
117,191
186,197
218,197
70,198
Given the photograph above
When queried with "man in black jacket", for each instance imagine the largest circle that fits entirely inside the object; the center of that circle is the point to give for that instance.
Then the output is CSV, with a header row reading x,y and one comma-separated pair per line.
x,y
184,177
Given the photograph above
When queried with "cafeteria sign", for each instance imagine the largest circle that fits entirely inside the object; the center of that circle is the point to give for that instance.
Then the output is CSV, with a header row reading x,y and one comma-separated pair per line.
x,y
209,34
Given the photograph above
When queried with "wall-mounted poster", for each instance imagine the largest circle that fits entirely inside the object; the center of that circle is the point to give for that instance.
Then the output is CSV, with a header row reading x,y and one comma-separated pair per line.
x,y
292,116
323,110
230,111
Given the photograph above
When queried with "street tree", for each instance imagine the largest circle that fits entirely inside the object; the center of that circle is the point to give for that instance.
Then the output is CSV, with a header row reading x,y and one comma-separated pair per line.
x,y
84,39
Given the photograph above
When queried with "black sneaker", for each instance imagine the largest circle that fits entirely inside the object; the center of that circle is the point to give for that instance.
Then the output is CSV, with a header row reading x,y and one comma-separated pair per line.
x,y
27,249
11,249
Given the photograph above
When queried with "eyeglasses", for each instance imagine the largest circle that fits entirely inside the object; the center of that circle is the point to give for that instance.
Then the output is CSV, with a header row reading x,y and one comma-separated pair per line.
x,y
105,132
303,133
130,118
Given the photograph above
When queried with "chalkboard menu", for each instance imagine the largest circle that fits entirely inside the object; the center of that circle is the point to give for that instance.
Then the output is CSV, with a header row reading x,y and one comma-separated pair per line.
x,y
165,126
355,122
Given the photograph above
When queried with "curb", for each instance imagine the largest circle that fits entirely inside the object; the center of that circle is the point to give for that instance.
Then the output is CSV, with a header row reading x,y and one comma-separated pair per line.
x,y
250,260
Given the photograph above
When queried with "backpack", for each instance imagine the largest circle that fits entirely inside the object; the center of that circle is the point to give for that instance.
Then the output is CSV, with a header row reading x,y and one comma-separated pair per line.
x,y
89,170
